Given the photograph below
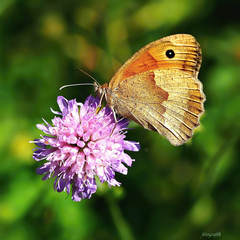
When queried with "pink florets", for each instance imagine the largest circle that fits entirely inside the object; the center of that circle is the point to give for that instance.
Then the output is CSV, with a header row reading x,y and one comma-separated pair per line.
x,y
81,144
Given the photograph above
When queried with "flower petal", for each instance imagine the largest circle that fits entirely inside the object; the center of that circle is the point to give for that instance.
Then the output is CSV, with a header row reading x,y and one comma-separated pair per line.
x,y
63,104
131,146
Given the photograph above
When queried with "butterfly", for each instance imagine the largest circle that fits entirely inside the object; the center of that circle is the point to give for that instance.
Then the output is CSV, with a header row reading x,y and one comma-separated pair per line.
x,y
158,88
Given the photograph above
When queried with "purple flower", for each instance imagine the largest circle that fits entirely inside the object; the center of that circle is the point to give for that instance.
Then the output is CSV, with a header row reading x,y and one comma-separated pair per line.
x,y
84,142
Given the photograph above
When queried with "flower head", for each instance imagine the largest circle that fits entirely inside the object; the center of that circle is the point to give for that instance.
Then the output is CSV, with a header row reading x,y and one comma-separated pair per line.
x,y
84,142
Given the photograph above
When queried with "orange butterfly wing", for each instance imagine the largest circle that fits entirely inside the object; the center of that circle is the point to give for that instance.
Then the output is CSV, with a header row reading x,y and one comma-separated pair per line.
x,y
159,92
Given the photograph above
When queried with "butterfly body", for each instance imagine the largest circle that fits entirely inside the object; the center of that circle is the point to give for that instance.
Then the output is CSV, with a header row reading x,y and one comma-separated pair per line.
x,y
158,88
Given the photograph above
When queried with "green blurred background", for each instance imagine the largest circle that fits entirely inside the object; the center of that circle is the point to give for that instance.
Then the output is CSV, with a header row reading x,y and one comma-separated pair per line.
x,y
170,192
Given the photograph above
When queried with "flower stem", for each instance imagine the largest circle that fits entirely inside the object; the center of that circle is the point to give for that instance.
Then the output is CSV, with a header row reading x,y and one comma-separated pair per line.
x,y
121,224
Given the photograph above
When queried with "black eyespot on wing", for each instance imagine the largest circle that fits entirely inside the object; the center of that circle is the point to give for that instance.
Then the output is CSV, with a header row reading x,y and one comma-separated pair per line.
x,y
170,53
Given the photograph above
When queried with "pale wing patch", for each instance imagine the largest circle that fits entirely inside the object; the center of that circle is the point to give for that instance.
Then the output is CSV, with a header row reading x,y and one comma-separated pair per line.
x,y
185,101
173,116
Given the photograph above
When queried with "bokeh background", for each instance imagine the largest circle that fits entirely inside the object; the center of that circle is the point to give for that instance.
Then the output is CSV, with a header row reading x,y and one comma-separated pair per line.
x,y
170,192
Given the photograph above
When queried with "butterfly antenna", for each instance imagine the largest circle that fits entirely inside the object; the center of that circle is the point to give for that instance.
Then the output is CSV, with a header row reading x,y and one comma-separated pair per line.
x,y
89,76
82,84
76,84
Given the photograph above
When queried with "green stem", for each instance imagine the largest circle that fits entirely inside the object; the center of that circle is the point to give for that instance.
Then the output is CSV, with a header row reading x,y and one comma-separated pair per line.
x,y
121,224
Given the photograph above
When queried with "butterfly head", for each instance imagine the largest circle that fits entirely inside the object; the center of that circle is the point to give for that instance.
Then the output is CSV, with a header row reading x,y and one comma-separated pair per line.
x,y
101,90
